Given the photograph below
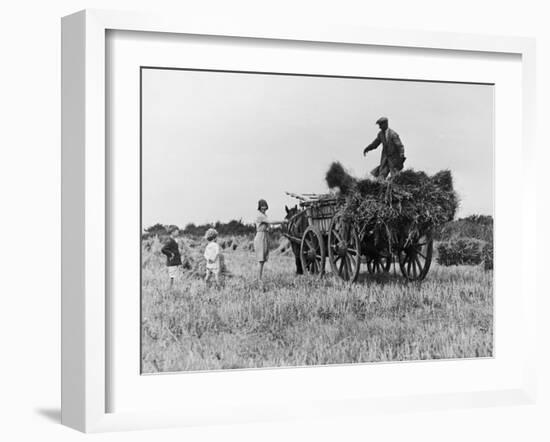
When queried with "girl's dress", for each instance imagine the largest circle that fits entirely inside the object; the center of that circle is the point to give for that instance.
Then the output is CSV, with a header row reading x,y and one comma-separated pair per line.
x,y
261,246
213,257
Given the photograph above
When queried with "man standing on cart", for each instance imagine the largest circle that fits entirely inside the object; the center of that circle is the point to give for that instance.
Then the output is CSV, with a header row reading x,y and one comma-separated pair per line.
x,y
393,152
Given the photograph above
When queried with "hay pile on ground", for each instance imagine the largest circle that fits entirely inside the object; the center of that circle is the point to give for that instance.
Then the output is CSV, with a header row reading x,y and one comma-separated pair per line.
x,y
197,266
411,202
192,258
284,247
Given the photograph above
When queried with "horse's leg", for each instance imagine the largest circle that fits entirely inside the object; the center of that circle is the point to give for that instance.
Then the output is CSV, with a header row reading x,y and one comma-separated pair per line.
x,y
298,224
296,251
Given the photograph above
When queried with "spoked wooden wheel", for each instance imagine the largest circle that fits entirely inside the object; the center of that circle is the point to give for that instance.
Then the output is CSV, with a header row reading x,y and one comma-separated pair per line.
x,y
415,258
379,264
312,252
344,249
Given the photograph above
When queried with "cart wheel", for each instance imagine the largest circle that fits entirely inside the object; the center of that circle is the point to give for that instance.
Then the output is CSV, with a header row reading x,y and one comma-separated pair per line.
x,y
312,252
379,264
416,257
344,249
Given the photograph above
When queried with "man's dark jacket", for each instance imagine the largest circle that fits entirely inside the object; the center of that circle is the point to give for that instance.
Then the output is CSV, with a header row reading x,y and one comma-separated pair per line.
x,y
172,252
393,151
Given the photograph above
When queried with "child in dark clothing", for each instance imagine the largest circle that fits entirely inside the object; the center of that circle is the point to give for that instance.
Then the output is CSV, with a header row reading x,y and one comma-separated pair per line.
x,y
173,256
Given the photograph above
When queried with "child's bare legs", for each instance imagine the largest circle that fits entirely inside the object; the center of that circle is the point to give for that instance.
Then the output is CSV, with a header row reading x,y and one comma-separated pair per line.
x,y
172,273
261,270
217,278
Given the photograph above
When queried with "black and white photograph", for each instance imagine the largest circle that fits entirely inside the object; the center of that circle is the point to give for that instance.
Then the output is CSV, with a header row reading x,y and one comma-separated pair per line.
x,y
287,221
301,220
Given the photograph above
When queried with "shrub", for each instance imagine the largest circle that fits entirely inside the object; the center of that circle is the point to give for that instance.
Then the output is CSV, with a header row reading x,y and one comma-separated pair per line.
x,y
460,251
473,226
487,253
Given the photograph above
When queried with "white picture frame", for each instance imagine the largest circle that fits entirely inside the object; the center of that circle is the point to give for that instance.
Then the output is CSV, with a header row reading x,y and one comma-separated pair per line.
x,y
85,202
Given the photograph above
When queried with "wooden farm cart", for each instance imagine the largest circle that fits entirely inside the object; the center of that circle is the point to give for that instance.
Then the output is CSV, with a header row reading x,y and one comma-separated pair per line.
x,y
318,231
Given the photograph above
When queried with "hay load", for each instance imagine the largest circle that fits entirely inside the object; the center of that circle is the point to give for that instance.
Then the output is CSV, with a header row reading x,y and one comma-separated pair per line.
x,y
338,177
410,203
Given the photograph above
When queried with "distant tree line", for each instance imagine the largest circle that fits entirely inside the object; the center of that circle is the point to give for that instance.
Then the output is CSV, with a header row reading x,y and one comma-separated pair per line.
x,y
231,228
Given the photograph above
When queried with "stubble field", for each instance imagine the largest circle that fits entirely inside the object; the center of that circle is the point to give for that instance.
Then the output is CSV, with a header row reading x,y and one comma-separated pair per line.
x,y
292,320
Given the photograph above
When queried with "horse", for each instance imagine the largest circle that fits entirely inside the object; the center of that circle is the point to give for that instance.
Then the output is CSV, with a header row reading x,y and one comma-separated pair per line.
x,y
297,225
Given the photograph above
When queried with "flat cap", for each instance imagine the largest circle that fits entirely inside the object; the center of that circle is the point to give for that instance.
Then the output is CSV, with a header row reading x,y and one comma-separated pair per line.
x,y
382,120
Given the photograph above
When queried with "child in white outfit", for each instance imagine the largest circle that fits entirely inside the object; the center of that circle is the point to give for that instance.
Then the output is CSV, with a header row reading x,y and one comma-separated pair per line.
x,y
213,256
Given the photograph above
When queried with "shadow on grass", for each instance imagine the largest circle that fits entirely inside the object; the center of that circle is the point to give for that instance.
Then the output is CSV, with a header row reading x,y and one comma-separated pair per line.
x,y
364,279
384,279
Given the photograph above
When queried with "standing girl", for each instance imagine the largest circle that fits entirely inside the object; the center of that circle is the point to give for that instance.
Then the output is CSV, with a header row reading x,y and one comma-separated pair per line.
x,y
261,240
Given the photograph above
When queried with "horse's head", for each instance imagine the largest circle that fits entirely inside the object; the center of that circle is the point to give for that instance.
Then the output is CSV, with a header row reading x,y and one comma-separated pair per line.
x,y
296,221
290,212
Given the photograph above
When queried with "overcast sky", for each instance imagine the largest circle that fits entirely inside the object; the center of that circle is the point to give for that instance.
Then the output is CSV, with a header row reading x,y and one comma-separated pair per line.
x,y
214,143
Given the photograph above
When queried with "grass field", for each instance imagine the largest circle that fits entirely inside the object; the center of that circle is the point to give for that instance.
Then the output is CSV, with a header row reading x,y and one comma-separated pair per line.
x,y
294,320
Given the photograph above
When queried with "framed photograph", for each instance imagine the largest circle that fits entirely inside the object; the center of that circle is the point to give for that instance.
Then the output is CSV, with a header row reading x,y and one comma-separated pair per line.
x,y
267,223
